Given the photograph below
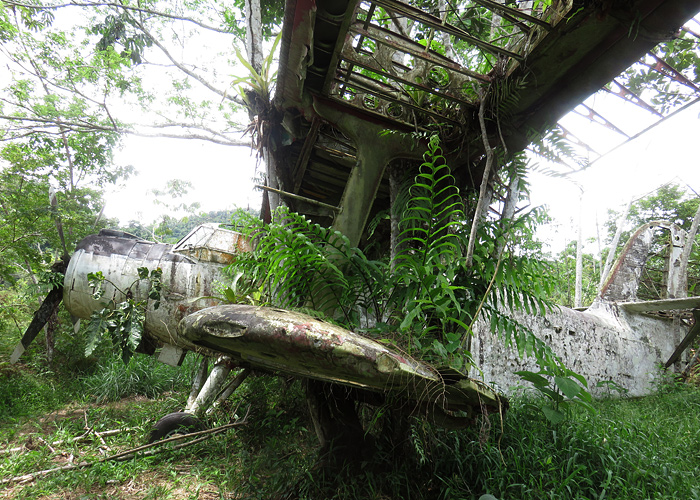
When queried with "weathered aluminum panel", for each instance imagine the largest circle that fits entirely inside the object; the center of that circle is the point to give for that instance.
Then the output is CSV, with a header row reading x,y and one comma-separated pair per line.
x,y
210,243
301,345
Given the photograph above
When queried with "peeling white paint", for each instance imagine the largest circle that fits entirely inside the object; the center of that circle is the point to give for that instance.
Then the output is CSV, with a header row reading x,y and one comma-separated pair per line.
x,y
603,343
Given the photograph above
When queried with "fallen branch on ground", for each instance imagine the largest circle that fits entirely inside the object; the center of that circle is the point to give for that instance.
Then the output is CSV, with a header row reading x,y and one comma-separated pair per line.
x,y
132,453
82,437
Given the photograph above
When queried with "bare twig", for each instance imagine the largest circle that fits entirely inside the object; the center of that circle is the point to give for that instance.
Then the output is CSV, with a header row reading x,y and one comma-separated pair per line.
x,y
48,445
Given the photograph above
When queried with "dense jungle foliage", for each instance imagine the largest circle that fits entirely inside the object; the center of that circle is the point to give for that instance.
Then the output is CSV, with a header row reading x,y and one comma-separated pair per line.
x,y
70,95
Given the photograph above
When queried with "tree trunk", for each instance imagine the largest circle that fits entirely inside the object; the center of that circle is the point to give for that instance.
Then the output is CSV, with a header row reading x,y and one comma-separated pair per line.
x,y
253,34
51,326
509,207
613,246
689,241
260,110
578,300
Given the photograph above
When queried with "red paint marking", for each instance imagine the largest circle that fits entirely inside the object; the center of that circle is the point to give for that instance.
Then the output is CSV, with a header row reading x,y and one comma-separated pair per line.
x,y
302,328
302,11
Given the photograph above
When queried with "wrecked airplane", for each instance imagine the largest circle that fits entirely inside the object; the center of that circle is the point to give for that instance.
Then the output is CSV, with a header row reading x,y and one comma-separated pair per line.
x,y
246,337
613,340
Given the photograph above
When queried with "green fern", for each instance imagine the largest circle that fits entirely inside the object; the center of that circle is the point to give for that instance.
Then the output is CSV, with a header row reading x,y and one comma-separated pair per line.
x,y
297,263
425,302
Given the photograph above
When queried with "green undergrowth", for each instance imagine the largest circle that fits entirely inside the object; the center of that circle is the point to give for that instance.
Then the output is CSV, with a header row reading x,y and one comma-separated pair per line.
x,y
26,390
644,448
630,449
641,448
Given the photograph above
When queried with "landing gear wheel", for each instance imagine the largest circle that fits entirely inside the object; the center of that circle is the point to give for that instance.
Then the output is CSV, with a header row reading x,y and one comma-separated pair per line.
x,y
173,423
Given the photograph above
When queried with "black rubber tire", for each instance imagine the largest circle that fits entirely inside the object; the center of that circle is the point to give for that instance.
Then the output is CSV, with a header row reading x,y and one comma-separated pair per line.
x,y
172,423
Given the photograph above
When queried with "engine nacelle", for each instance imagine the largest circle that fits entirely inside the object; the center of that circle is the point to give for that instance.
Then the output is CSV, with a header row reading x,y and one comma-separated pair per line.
x,y
191,270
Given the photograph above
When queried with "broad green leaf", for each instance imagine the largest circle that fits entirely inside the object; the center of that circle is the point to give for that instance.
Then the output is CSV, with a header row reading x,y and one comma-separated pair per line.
x,y
567,386
535,378
554,416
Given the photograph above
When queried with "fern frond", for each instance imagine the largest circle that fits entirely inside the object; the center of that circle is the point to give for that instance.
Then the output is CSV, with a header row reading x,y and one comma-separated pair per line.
x,y
302,264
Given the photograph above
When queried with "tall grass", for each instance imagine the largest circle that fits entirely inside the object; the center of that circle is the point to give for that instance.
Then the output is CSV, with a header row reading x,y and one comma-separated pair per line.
x,y
639,449
26,392
141,376
642,448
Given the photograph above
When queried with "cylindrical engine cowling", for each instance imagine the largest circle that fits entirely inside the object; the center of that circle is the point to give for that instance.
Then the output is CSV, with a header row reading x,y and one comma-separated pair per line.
x,y
188,284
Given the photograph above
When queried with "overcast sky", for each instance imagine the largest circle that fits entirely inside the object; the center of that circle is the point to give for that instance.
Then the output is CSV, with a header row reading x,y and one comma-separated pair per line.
x,y
669,152
221,177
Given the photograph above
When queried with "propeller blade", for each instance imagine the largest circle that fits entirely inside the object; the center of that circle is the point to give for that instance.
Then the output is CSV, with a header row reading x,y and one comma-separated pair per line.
x,y
51,302
42,315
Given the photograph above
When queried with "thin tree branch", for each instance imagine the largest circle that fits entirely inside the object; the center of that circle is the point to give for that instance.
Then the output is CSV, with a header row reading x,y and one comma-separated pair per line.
x,y
484,180
180,66
685,256
226,142
83,437
15,240
119,6
218,138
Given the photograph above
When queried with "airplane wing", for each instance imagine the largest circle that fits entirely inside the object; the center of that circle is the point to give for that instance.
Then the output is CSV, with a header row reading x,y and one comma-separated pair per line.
x,y
661,305
671,305
300,345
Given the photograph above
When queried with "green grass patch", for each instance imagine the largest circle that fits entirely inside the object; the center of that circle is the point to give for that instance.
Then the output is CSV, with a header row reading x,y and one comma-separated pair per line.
x,y
142,375
25,392
631,449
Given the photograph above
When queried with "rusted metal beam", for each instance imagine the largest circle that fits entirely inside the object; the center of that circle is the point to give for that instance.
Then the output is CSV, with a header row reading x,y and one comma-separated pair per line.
x,y
398,42
586,51
575,140
306,150
647,129
666,69
299,197
370,86
437,24
500,8
626,94
596,117
367,63
343,39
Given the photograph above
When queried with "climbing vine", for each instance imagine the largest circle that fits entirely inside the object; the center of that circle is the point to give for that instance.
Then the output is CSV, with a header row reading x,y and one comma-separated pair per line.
x,y
122,321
